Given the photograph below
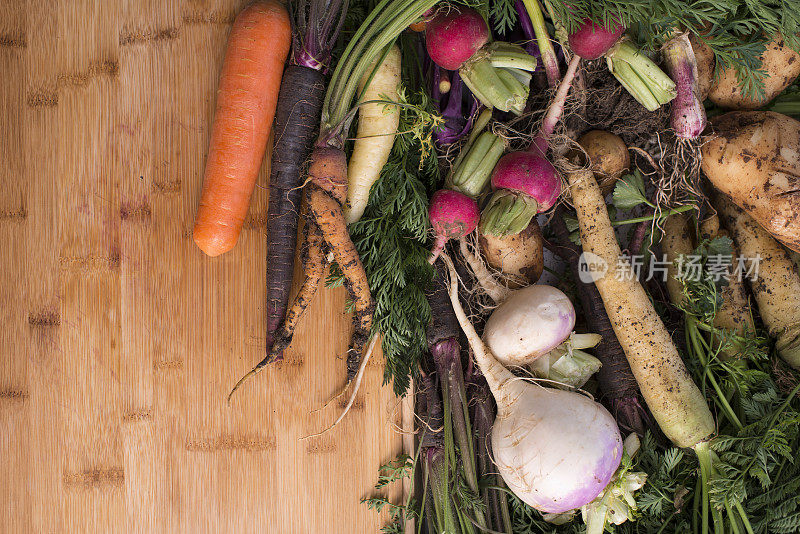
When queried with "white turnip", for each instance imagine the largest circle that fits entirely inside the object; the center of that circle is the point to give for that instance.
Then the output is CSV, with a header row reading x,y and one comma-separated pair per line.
x,y
531,322
556,450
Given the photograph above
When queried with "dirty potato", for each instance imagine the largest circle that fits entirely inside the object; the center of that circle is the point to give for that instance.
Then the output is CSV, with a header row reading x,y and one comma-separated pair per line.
x,y
519,257
782,65
754,158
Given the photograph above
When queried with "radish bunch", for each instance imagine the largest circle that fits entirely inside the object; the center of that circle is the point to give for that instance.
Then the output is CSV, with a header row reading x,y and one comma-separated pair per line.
x,y
637,73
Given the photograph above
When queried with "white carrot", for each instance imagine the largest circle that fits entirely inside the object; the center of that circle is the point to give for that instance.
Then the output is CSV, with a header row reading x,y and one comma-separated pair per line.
x,y
377,127
675,401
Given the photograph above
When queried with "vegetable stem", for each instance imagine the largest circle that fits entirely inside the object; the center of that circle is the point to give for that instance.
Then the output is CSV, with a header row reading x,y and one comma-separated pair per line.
x,y
640,76
679,209
446,355
703,453
483,80
546,49
556,108
508,213
693,334
379,29
472,173
477,129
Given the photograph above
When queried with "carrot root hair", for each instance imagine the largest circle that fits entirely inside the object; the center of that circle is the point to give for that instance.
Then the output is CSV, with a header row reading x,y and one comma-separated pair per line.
x,y
314,264
327,213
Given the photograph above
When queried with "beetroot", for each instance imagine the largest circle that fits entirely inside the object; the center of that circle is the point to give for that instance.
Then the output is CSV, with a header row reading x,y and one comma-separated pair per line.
x,y
592,40
452,215
453,37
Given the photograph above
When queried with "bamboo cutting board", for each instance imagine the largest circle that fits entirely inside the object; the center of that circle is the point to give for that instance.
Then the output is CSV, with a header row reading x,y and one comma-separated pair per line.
x,y
120,339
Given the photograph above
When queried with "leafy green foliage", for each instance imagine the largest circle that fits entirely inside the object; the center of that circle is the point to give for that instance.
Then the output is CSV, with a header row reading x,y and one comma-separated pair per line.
x,y
503,15
394,471
629,192
751,460
526,520
758,423
787,102
736,30
391,238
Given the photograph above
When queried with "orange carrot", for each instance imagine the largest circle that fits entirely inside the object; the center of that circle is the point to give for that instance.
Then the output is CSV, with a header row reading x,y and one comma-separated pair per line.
x,y
248,94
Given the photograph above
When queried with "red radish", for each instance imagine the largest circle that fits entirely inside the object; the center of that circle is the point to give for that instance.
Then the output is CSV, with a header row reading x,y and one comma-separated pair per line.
x,y
497,74
592,40
452,215
529,173
453,37
637,73
525,184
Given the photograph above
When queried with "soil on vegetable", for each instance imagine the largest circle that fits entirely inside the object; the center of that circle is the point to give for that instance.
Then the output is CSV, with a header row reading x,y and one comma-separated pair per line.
x,y
608,106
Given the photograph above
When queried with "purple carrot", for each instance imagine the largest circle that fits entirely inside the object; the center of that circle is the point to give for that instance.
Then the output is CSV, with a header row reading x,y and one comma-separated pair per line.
x,y
483,410
443,334
316,27
619,389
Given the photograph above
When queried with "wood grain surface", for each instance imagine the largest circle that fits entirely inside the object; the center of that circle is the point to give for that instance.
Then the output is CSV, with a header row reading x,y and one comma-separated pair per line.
x,y
120,339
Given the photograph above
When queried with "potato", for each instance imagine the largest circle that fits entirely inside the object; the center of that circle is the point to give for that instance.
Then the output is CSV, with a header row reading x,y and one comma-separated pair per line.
x,y
754,158
782,65
704,57
608,157
520,257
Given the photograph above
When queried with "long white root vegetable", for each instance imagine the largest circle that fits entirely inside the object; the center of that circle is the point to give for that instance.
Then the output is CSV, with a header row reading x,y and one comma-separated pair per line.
x,y
734,315
777,286
377,127
675,401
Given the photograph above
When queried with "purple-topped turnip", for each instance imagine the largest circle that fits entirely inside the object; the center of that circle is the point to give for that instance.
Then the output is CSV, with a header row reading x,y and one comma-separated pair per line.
x,y
497,73
531,322
556,450
533,327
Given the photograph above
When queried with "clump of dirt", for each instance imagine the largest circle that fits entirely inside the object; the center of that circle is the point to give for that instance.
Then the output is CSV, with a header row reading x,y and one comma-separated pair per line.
x,y
608,106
